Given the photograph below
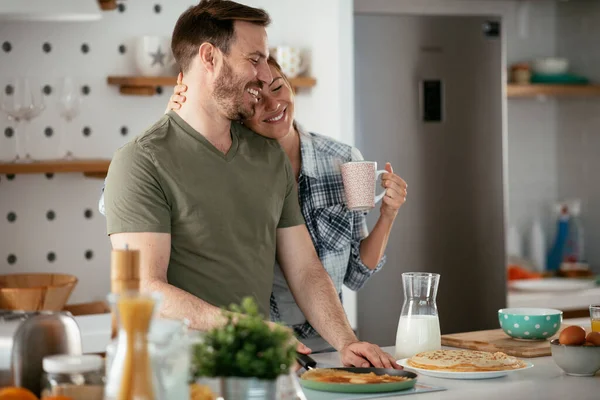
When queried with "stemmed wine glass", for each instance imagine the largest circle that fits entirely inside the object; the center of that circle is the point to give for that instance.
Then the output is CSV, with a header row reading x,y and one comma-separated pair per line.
x,y
69,105
35,105
23,101
11,107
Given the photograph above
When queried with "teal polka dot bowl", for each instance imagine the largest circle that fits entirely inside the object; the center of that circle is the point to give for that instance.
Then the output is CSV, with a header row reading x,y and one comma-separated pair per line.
x,y
530,323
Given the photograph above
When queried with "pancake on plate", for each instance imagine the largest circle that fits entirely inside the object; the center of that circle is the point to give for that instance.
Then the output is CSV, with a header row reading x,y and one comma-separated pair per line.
x,y
465,361
338,376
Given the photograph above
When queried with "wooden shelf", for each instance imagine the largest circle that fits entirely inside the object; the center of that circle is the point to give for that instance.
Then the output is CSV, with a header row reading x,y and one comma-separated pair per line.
x,y
146,85
535,90
92,168
107,5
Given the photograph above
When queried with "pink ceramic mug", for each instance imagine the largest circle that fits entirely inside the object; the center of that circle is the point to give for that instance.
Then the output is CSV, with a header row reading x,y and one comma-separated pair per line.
x,y
360,178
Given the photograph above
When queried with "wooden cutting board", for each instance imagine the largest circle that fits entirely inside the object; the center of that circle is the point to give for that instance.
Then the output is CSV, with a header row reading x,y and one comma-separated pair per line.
x,y
496,340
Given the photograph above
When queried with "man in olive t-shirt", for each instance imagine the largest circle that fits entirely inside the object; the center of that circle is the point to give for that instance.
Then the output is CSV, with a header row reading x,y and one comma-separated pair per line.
x,y
209,203
222,210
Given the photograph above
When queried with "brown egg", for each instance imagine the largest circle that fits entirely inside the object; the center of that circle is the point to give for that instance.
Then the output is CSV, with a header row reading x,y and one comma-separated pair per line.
x,y
593,338
573,335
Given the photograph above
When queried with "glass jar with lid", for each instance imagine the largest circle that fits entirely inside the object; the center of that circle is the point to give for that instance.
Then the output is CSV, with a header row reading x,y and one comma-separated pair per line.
x,y
80,377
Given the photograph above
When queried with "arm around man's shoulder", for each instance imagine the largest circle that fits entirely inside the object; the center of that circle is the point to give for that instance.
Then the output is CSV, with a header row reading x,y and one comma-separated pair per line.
x,y
134,198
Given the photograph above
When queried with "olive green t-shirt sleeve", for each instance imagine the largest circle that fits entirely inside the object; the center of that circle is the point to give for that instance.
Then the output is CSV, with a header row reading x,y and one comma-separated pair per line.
x,y
291,215
134,199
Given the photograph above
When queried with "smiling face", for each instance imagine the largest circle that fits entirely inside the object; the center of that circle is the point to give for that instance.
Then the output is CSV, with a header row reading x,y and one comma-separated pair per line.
x,y
243,72
274,114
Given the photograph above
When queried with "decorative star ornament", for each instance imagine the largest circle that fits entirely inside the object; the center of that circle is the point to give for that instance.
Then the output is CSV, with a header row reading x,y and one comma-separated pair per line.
x,y
158,57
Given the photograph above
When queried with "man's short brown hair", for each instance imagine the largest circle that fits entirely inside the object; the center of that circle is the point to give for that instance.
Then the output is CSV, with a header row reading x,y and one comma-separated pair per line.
x,y
210,21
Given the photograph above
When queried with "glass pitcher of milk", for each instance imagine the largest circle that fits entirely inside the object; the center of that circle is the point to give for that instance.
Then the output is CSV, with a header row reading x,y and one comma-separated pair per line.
x,y
419,326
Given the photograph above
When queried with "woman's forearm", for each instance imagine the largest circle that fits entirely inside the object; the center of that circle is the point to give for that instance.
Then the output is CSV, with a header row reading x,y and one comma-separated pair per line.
x,y
373,246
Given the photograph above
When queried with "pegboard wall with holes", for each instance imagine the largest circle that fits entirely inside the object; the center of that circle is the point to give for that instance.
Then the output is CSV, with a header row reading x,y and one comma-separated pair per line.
x,y
50,222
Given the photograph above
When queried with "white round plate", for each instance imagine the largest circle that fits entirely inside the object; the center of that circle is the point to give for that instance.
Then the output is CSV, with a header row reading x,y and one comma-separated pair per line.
x,y
553,284
461,375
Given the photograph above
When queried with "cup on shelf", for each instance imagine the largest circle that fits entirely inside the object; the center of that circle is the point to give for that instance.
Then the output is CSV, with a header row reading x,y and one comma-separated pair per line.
x,y
153,56
291,60
520,73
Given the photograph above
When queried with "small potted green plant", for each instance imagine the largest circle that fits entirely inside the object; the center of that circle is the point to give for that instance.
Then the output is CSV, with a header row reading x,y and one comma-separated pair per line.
x,y
246,354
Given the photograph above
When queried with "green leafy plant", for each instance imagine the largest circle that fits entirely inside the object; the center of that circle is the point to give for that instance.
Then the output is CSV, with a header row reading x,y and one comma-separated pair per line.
x,y
245,346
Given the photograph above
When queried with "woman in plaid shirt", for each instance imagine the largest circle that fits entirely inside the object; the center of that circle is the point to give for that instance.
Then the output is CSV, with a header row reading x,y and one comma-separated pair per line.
x,y
348,252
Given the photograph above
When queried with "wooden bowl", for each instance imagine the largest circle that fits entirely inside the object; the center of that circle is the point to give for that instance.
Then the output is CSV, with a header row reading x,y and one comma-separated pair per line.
x,y
35,292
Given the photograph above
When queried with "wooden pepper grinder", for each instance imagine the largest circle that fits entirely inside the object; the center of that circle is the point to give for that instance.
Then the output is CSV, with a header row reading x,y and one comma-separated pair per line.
x,y
124,276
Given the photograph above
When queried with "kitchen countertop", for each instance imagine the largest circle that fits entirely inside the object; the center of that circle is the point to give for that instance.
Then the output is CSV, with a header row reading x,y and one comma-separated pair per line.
x,y
95,332
561,300
545,381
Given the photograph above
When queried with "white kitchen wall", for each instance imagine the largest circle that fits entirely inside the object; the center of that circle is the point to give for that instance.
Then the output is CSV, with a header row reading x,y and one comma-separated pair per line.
x,y
554,142
578,144
532,127
51,224
530,31
550,142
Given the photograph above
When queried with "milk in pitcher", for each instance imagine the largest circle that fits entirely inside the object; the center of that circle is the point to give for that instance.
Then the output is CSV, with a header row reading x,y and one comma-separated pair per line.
x,y
416,334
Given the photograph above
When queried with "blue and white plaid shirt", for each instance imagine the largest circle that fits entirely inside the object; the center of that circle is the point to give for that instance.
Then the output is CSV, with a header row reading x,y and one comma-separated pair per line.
x,y
336,232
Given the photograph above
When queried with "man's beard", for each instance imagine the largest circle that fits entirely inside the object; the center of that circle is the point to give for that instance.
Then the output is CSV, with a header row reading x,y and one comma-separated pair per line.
x,y
229,94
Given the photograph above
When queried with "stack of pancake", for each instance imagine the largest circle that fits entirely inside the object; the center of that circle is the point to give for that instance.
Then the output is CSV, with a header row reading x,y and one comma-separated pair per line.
x,y
465,361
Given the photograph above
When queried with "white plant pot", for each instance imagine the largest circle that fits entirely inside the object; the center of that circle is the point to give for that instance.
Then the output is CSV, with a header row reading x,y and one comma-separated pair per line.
x,y
232,388
248,389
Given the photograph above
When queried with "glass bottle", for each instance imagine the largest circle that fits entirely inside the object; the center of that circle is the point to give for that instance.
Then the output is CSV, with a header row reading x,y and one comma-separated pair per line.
x,y
170,351
169,344
131,376
419,325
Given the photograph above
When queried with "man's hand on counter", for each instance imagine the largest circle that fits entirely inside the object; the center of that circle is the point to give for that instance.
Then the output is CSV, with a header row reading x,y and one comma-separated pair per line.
x,y
364,355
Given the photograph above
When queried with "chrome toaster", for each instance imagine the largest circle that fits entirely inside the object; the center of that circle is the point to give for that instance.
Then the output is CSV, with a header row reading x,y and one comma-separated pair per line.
x,y
27,337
